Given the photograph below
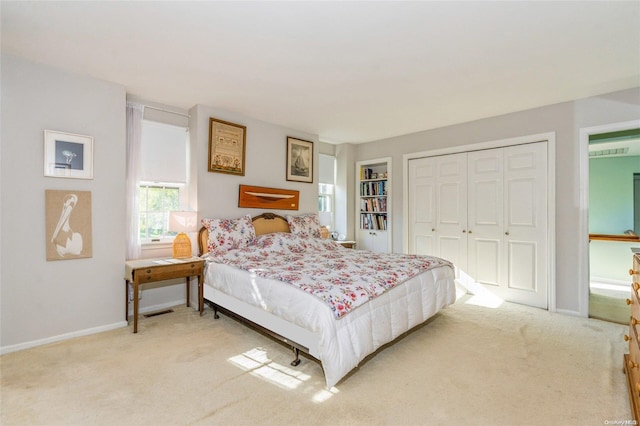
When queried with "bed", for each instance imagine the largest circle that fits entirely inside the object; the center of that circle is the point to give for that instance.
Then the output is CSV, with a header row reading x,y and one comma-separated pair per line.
x,y
277,274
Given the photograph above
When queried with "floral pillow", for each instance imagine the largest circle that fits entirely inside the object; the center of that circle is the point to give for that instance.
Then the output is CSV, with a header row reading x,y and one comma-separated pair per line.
x,y
229,234
305,225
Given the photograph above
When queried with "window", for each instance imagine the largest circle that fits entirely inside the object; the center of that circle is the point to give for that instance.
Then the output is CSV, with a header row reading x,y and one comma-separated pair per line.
x,y
325,205
163,177
156,201
326,190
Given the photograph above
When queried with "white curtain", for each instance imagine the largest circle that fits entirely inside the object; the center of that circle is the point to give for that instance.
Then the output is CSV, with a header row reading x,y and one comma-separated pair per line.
x,y
135,113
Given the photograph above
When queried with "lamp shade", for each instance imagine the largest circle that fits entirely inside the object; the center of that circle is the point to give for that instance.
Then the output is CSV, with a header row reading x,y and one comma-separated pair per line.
x,y
180,221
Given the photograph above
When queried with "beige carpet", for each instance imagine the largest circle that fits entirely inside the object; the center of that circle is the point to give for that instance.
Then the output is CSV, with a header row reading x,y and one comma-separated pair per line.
x,y
609,308
471,365
609,303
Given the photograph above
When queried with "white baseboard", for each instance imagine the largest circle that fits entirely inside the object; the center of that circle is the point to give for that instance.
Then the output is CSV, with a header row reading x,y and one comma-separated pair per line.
x,y
610,281
86,332
568,312
66,336
161,306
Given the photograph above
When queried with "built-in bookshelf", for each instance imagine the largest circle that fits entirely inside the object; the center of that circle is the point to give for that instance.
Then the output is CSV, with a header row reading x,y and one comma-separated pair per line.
x,y
373,203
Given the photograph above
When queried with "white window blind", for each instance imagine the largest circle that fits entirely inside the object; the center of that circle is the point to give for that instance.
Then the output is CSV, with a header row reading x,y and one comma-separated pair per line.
x,y
163,153
327,170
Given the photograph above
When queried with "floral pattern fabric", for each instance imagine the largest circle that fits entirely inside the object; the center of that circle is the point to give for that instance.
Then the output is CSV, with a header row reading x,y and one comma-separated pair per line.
x,y
342,278
305,225
229,234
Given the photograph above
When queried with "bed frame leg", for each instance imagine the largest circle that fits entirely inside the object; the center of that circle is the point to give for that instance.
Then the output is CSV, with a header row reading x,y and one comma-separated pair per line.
x,y
296,361
214,307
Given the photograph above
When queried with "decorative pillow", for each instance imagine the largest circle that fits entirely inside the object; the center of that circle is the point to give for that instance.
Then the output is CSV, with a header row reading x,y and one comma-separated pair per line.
x,y
229,234
305,225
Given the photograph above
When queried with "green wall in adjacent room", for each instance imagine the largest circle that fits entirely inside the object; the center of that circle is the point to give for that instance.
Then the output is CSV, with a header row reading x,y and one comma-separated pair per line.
x,y
611,194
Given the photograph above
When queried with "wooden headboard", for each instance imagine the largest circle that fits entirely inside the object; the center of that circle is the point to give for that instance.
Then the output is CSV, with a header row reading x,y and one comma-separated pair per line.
x,y
266,223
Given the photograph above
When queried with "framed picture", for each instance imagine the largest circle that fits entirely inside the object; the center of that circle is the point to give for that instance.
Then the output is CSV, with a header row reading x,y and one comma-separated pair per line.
x,y
68,224
299,160
227,147
68,155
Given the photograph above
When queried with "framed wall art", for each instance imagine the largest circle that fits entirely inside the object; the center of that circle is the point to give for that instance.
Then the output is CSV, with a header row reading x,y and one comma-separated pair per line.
x,y
68,155
227,147
299,160
68,224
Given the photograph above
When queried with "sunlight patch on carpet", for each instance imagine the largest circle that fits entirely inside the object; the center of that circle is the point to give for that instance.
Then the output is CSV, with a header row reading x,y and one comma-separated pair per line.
x,y
324,394
256,362
481,295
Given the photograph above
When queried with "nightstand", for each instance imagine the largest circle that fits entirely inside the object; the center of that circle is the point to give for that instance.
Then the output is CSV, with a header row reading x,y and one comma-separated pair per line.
x,y
142,271
347,244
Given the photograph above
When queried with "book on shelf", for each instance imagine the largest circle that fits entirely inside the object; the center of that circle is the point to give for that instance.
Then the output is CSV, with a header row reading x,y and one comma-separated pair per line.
x,y
373,221
373,188
368,173
378,205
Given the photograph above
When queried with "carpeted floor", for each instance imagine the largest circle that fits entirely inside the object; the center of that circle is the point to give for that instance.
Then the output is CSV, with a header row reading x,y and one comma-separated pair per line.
x,y
470,365
609,308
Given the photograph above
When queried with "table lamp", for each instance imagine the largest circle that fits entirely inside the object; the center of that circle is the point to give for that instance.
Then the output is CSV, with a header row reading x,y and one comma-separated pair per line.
x,y
182,222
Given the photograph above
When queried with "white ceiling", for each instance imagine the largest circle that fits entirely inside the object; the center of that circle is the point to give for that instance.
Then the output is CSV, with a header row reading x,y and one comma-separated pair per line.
x,y
347,71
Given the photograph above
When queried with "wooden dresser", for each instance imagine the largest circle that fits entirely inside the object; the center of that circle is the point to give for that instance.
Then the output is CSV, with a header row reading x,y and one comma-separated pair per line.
x,y
632,359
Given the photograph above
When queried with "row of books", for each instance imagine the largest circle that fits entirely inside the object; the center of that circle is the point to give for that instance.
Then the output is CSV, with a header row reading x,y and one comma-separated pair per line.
x,y
373,221
373,204
373,188
366,173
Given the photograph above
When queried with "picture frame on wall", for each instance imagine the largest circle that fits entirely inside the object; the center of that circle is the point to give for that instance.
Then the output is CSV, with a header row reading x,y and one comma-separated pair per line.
x,y
227,147
68,224
68,155
299,160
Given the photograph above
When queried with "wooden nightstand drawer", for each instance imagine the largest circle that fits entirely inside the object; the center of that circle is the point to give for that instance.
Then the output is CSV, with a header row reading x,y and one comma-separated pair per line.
x,y
347,244
167,272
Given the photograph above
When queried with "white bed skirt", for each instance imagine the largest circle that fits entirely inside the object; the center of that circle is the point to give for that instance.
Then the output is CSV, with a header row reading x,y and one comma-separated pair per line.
x,y
339,344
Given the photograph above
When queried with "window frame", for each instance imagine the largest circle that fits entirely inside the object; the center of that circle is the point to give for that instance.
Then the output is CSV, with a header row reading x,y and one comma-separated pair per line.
x,y
166,238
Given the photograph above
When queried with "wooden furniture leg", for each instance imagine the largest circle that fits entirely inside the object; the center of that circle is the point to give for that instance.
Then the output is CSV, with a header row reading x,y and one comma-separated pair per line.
x,y
188,287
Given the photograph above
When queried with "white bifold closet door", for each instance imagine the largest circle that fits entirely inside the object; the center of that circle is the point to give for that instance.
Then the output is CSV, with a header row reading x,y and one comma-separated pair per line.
x,y
438,207
486,211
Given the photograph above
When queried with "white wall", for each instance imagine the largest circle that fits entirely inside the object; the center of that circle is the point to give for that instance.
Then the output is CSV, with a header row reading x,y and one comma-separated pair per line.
x,y
566,120
41,299
47,301
265,165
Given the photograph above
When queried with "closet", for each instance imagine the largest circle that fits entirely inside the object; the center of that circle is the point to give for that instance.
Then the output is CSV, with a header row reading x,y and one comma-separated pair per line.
x,y
486,211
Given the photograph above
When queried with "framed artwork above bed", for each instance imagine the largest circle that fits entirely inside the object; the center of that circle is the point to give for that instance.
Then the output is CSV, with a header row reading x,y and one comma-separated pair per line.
x,y
227,147
299,160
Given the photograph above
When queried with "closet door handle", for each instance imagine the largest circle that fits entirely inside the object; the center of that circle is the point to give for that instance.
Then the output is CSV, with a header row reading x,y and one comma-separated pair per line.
x,y
470,231
506,233
464,231
433,229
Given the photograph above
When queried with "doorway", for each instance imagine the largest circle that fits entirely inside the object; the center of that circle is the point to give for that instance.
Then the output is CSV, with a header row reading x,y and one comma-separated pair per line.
x,y
610,155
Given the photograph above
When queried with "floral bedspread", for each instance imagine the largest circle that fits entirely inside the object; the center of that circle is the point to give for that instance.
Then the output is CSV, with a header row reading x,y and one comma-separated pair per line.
x,y
342,278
